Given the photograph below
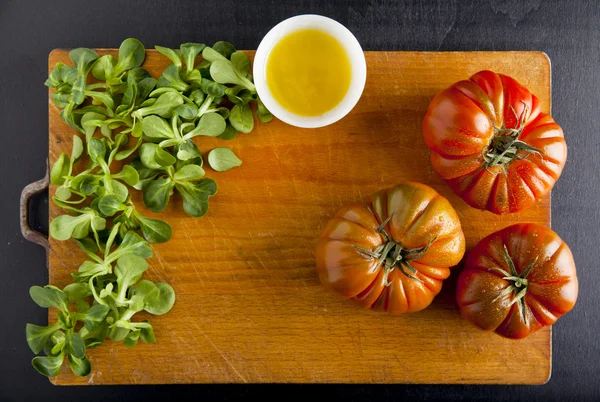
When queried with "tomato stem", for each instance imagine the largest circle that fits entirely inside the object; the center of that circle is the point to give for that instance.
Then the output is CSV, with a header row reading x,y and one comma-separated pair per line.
x,y
505,145
519,283
392,255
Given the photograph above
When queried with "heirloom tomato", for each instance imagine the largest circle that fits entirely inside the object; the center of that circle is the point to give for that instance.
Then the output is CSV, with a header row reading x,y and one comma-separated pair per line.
x,y
392,253
492,144
517,280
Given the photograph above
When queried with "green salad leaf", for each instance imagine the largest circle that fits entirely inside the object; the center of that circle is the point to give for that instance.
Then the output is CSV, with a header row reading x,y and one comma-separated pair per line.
x,y
154,125
223,159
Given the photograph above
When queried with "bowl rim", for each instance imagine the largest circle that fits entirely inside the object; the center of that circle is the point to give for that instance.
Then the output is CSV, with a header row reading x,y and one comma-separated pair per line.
x,y
346,39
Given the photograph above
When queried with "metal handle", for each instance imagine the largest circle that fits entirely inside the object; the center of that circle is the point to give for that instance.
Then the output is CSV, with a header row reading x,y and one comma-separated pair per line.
x,y
28,192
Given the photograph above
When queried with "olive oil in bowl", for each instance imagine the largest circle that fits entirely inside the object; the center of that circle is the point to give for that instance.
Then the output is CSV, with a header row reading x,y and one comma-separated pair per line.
x,y
309,71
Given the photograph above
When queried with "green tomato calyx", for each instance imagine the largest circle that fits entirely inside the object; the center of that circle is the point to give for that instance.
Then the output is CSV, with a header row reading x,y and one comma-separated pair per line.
x,y
393,255
505,145
519,283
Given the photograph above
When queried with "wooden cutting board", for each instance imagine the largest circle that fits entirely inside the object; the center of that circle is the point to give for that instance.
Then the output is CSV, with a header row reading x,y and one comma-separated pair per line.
x,y
250,308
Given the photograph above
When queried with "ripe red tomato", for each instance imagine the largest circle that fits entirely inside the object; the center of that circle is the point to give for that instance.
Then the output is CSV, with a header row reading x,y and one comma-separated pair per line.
x,y
392,253
517,280
491,143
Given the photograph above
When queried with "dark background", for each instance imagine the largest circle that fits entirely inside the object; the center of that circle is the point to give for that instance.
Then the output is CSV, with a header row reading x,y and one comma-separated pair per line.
x,y
569,31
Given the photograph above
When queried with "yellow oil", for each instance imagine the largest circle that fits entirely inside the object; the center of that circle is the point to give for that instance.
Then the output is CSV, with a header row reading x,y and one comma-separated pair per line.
x,y
308,72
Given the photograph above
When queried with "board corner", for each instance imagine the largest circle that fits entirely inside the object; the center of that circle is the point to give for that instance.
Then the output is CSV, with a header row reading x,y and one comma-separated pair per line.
x,y
544,58
55,54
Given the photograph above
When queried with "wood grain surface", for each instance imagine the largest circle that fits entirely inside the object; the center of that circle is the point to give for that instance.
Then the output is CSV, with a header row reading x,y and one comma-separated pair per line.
x,y
250,308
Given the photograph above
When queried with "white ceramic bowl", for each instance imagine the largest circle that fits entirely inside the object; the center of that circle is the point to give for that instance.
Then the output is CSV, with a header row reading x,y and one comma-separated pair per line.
x,y
346,39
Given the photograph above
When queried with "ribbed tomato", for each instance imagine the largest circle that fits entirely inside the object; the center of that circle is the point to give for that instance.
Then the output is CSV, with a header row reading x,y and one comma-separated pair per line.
x,y
517,280
392,253
492,144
